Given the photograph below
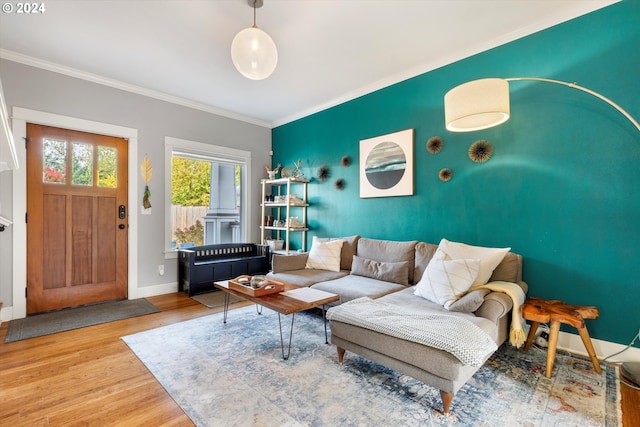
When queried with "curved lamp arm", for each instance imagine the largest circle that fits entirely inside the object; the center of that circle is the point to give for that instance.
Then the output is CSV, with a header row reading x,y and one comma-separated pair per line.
x,y
484,103
584,89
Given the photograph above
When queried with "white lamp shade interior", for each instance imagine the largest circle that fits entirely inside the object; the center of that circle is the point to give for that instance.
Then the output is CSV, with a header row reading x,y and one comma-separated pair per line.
x,y
479,104
254,54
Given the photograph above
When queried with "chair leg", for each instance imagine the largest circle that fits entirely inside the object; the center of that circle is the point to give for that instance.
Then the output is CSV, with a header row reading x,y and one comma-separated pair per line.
x,y
531,336
446,401
341,352
586,340
551,351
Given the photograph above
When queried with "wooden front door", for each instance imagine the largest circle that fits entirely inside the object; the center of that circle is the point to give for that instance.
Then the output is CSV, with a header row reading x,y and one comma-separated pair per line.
x,y
76,218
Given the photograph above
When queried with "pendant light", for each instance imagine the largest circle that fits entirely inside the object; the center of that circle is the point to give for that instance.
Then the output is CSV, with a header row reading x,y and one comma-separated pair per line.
x,y
253,52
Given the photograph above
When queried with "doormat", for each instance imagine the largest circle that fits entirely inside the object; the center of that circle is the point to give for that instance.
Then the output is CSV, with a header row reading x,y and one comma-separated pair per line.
x,y
233,374
77,317
215,299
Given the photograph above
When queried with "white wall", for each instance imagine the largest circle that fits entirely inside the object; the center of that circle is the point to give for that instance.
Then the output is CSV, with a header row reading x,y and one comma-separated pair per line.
x,y
48,92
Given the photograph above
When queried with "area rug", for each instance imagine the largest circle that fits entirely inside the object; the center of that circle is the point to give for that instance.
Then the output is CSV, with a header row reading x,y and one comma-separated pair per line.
x,y
215,299
77,317
233,374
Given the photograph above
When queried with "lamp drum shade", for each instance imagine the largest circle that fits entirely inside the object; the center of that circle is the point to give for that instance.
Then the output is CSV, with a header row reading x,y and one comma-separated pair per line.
x,y
254,54
479,104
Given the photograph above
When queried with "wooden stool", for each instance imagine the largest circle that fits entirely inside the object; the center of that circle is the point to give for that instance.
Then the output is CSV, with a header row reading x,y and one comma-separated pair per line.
x,y
542,311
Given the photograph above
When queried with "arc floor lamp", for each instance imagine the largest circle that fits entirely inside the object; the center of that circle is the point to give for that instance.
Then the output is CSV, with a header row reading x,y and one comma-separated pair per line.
x,y
484,103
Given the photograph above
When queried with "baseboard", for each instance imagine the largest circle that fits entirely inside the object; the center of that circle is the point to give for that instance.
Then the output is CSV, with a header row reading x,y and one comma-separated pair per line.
x,y
162,289
6,314
573,343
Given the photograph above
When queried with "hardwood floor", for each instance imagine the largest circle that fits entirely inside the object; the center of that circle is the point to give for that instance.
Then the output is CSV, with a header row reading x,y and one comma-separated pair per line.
x,y
90,377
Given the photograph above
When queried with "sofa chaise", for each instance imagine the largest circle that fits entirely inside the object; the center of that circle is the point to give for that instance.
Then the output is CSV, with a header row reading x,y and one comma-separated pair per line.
x,y
388,274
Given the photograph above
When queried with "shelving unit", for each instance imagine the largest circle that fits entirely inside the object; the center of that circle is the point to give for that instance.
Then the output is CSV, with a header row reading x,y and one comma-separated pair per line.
x,y
282,208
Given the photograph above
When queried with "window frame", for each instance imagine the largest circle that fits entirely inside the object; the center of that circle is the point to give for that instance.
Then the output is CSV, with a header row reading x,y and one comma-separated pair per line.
x,y
210,152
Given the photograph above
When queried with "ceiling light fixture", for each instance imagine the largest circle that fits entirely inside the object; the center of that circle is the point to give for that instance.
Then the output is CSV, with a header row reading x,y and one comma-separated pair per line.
x,y
484,103
253,52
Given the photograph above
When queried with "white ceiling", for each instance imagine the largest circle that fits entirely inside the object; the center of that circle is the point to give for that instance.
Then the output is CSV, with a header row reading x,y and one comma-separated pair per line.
x,y
329,51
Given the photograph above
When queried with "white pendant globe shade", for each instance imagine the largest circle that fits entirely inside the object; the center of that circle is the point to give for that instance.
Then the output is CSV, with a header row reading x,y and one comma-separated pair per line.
x,y
254,53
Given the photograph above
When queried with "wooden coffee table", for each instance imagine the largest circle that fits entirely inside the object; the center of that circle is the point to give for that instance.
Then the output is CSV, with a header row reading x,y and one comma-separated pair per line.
x,y
292,300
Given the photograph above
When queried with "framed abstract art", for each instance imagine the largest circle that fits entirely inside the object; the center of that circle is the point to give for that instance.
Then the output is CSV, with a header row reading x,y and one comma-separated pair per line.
x,y
386,165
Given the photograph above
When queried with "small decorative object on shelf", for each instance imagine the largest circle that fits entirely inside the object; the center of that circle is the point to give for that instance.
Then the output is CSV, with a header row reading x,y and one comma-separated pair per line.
x,y
287,172
272,173
435,144
480,151
297,173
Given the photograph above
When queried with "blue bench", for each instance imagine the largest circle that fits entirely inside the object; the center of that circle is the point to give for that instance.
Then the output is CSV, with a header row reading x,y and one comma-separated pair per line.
x,y
200,266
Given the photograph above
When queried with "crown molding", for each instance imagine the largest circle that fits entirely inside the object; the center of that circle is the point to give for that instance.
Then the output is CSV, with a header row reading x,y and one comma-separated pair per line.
x,y
116,84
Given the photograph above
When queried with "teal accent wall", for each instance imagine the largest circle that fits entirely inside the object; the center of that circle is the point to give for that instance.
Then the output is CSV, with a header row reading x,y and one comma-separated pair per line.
x,y
562,187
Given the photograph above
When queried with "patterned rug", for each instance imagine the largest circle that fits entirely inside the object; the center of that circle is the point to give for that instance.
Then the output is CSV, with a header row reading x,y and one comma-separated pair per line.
x,y
233,374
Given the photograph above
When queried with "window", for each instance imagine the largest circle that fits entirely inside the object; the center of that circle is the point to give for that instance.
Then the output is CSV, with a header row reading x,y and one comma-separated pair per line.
x,y
55,163
206,199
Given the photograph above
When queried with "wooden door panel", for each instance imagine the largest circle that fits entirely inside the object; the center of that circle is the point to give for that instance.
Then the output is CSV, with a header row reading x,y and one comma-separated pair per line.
x,y
82,232
77,245
54,242
106,242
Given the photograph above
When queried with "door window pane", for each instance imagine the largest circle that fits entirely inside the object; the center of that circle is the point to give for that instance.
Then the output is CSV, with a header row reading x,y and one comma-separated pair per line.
x,y
82,164
107,167
54,161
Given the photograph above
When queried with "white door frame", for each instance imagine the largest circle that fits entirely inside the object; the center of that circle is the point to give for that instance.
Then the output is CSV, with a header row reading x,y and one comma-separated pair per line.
x,y
22,116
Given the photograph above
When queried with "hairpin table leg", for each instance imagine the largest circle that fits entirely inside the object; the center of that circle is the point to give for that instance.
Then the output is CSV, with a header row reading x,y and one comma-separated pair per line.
x,y
285,357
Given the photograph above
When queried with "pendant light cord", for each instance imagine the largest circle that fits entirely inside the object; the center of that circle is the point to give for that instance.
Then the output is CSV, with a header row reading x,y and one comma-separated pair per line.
x,y
254,13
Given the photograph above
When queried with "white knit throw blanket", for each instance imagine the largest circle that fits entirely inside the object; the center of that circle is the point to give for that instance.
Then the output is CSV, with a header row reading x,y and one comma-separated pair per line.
x,y
453,334
517,335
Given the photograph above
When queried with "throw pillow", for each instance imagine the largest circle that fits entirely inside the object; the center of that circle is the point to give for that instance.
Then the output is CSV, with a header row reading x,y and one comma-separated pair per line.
x,y
348,249
444,281
324,255
388,251
469,302
394,272
489,257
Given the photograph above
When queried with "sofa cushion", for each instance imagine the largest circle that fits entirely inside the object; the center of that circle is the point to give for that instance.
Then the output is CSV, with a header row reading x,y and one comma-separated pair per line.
x,y
351,287
509,269
469,302
445,281
349,248
325,255
394,272
489,257
388,251
424,253
295,261
307,276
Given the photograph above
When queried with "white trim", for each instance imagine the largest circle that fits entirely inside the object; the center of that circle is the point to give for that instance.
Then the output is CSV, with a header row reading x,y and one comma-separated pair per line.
x,y
162,289
95,78
573,343
20,118
6,314
224,154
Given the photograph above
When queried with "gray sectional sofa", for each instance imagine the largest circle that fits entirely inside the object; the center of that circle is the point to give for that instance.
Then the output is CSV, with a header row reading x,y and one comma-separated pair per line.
x,y
387,271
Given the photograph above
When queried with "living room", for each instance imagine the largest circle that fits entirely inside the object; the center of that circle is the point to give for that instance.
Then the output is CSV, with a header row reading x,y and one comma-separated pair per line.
x,y
560,187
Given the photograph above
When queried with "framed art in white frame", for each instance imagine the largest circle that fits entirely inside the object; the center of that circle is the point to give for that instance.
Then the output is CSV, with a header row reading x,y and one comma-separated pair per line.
x,y
386,165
